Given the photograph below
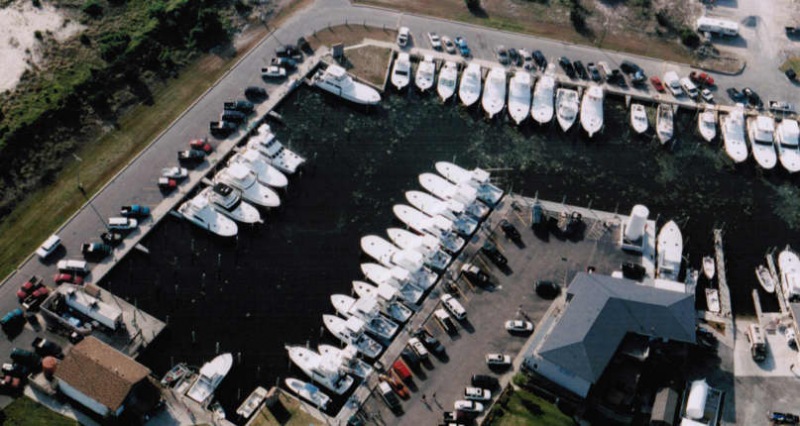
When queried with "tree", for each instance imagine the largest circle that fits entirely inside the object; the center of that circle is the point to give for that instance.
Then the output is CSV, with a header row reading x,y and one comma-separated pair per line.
x,y
473,4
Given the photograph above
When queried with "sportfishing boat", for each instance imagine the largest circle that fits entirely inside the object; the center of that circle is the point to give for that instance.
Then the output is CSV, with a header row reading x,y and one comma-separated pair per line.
x,y
476,178
789,265
242,178
175,374
398,278
446,191
426,244
211,375
567,106
387,296
542,109
426,73
470,88
252,402
592,110
320,369
366,310
669,248
265,173
437,226
494,92
308,392
198,211
786,136
283,159
347,359
664,123
709,267
228,201
707,124
401,72
519,96
639,121
388,255
765,278
336,80
448,77
761,130
712,300
732,127
451,209
351,332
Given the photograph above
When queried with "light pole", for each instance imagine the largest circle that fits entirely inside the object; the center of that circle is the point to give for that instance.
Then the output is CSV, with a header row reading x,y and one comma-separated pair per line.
x,y
83,191
80,186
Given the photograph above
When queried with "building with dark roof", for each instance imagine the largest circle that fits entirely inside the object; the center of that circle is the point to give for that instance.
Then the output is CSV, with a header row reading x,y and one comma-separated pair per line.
x,y
599,312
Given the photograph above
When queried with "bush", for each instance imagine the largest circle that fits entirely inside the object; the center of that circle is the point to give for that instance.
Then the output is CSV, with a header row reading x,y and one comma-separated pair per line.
x,y
84,39
112,45
690,38
37,3
520,379
38,35
473,4
92,8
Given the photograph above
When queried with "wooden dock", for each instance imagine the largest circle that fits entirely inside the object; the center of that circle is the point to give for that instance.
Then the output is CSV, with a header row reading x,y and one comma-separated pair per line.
x,y
724,291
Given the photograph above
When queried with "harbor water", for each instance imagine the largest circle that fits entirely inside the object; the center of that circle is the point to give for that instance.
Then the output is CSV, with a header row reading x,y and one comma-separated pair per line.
x,y
270,286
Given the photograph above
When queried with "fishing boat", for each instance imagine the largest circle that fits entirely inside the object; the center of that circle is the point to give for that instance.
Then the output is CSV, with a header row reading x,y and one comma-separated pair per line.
x,y
367,310
669,248
519,96
433,254
592,110
175,374
786,139
388,255
244,179
709,267
437,226
228,201
335,79
347,359
639,121
712,300
465,194
665,126
198,211
476,178
265,173
387,296
396,277
789,265
450,209
426,73
308,392
401,71
765,278
352,332
761,130
320,369
567,106
211,375
707,124
470,88
494,92
277,155
732,128
448,77
542,108
252,402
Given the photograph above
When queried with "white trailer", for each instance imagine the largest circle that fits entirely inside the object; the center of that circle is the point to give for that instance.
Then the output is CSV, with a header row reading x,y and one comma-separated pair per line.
x,y
717,26
103,313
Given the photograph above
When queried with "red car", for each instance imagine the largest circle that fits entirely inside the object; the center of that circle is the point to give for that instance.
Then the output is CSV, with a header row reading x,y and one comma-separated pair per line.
x,y
66,277
201,145
656,82
30,286
701,78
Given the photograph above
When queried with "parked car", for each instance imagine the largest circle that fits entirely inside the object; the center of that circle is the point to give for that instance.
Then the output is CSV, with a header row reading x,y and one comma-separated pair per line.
x,y
580,70
539,58
448,44
493,253
618,78
436,41
783,418
273,71
454,307
463,47
752,97
288,51
498,359
471,407
288,64
689,88
167,184
408,355
484,381
604,68
432,343
629,67
48,246
134,210
547,289
656,82
707,95
781,106
445,321
255,93
510,231
95,249
416,345
477,394
594,73
201,145
26,358
475,275
701,78
241,105
44,347
513,56
566,65
191,156
12,320
403,36
28,287
74,265
525,55
519,326
502,55
302,45
790,74
112,238
122,223
67,277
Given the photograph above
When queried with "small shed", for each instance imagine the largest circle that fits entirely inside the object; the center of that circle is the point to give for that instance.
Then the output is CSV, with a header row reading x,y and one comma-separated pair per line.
x,y
665,407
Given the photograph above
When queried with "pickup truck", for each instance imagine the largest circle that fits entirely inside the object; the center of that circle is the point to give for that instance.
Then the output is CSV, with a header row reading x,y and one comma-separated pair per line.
x,y
27,288
221,127
135,210
44,347
241,105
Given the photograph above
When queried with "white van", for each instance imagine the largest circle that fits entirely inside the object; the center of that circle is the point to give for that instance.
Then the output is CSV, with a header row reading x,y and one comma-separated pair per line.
x,y
689,87
48,246
451,304
673,83
73,265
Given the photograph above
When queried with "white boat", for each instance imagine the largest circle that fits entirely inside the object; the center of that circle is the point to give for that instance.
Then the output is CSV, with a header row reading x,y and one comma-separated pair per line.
x,y
542,108
321,370
709,267
252,402
265,173
228,201
451,209
388,255
367,310
669,248
201,213
786,138
397,278
470,88
765,278
592,110
707,124
567,106
665,128
789,265
308,392
209,378
761,130
242,178
639,121
387,296
336,80
448,77
712,300
347,359
732,127
476,178
447,191
437,226
519,96
283,159
494,92
401,71
426,73
351,332
426,244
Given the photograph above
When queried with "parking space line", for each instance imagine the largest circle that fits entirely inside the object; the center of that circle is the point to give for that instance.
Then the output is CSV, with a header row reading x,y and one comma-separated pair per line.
x,y
523,221
469,282
485,265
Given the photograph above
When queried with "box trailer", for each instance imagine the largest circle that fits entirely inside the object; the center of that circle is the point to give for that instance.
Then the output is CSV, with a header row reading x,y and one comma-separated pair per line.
x,y
97,310
717,26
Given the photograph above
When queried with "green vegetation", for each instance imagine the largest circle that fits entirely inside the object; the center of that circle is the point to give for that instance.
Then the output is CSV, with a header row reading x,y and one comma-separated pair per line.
x,y
524,408
792,62
690,38
285,412
24,411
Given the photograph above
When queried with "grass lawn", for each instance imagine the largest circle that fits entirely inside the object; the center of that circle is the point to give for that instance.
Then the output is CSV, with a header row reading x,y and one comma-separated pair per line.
x,y
368,63
520,411
292,416
23,411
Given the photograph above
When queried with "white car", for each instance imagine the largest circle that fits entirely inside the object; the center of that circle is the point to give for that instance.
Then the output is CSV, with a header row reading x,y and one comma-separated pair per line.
x,y
122,223
498,359
707,95
417,346
456,309
273,71
448,44
519,326
477,394
48,246
436,41
403,36
468,406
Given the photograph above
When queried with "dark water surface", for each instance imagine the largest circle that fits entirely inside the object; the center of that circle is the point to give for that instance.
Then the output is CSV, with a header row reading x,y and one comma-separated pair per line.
x,y
271,286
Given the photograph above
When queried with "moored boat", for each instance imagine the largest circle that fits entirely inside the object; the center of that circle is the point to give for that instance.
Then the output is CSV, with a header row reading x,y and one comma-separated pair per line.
x,y
761,130
347,359
707,124
228,201
712,300
429,246
786,139
665,126
437,226
426,72
308,392
252,402
709,267
352,332
765,278
494,92
198,211
639,121
542,108
265,173
320,369
211,375
175,374
387,296
448,77
368,310
470,88
567,106
396,277
244,179
452,210
335,79
732,129
401,71
789,265
669,249
476,178
519,96
592,110
277,155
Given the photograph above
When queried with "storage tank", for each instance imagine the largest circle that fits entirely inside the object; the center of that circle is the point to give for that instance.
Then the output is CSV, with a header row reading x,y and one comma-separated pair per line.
x,y
49,365
696,403
637,222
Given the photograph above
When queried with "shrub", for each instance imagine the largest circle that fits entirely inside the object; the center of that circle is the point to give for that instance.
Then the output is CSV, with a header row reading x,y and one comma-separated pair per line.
x,y
37,3
520,380
84,39
92,8
690,38
38,35
112,45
